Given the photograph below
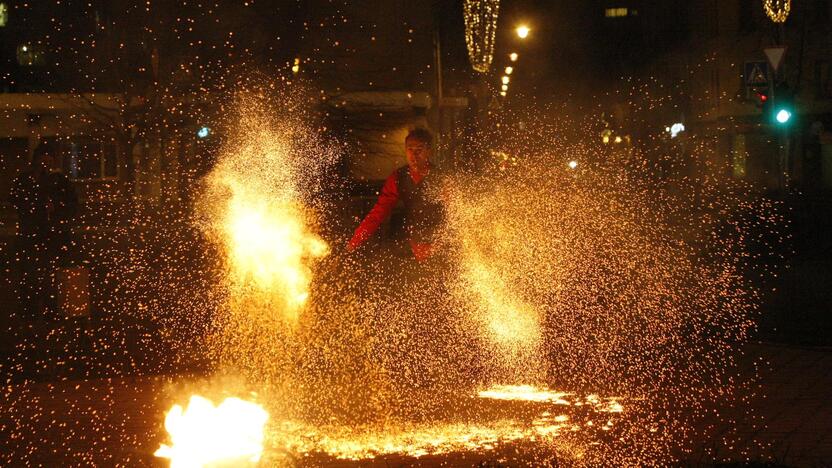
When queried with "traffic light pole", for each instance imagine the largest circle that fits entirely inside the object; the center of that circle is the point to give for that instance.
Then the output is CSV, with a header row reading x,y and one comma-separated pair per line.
x,y
785,150
784,133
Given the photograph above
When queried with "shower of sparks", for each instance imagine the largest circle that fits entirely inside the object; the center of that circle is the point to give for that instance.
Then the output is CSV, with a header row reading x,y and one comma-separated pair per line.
x,y
510,325
258,208
509,322
203,434
580,284
262,223
593,281
628,274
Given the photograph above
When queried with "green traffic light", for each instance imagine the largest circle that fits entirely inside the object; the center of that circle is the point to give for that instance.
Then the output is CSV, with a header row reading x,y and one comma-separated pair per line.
x,y
783,116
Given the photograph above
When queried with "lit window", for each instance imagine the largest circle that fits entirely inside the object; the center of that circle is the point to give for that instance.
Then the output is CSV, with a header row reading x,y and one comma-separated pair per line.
x,y
4,14
616,12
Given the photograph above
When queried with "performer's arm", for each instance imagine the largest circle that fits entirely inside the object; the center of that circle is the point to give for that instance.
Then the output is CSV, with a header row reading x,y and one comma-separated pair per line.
x,y
386,201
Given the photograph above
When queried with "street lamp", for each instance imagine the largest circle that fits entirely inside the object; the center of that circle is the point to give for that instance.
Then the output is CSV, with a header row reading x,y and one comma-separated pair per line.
x,y
522,31
675,129
513,56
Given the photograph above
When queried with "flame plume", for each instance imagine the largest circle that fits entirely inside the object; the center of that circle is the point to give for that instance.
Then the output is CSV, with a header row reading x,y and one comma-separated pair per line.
x,y
257,207
268,244
230,433
262,222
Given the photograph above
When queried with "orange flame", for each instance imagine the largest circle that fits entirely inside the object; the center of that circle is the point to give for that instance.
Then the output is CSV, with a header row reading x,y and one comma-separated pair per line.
x,y
201,434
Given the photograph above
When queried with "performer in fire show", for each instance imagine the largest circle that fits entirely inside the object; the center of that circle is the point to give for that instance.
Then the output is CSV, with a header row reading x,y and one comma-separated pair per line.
x,y
416,187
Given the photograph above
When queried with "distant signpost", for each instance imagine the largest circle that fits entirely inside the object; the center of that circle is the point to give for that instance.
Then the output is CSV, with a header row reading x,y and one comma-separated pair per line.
x,y
775,56
755,76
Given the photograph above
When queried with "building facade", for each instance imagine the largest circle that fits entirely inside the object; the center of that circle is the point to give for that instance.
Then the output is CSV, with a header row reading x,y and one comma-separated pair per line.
x,y
722,84
127,91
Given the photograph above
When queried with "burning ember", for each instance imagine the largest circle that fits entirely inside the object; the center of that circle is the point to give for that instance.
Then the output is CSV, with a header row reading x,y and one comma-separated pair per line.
x,y
534,394
524,393
419,440
202,434
235,432
543,423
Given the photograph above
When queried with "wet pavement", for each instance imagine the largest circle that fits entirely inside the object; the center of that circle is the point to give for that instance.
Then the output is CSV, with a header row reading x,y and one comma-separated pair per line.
x,y
119,422
793,407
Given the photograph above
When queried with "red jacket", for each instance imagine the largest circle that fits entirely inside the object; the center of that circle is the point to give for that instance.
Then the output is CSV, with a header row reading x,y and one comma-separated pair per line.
x,y
382,209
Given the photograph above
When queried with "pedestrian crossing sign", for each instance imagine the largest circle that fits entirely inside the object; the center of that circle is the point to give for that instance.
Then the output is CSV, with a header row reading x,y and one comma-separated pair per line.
x,y
756,74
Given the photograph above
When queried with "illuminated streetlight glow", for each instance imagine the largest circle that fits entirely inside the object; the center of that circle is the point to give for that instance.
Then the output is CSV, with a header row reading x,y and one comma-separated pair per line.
x,y
504,87
573,164
502,93
509,70
522,31
605,135
675,129
505,79
513,56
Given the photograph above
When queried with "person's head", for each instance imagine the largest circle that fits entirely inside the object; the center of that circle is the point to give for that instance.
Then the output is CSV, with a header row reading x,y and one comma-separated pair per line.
x,y
419,147
44,157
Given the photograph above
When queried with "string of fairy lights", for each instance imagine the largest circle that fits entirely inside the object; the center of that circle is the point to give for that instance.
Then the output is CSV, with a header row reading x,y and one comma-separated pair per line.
x,y
777,10
480,31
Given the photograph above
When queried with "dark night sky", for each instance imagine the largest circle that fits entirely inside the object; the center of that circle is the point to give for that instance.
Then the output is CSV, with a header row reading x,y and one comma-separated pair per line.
x,y
573,48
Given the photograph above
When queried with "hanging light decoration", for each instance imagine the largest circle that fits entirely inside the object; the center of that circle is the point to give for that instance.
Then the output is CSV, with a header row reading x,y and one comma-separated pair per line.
x,y
777,10
480,31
